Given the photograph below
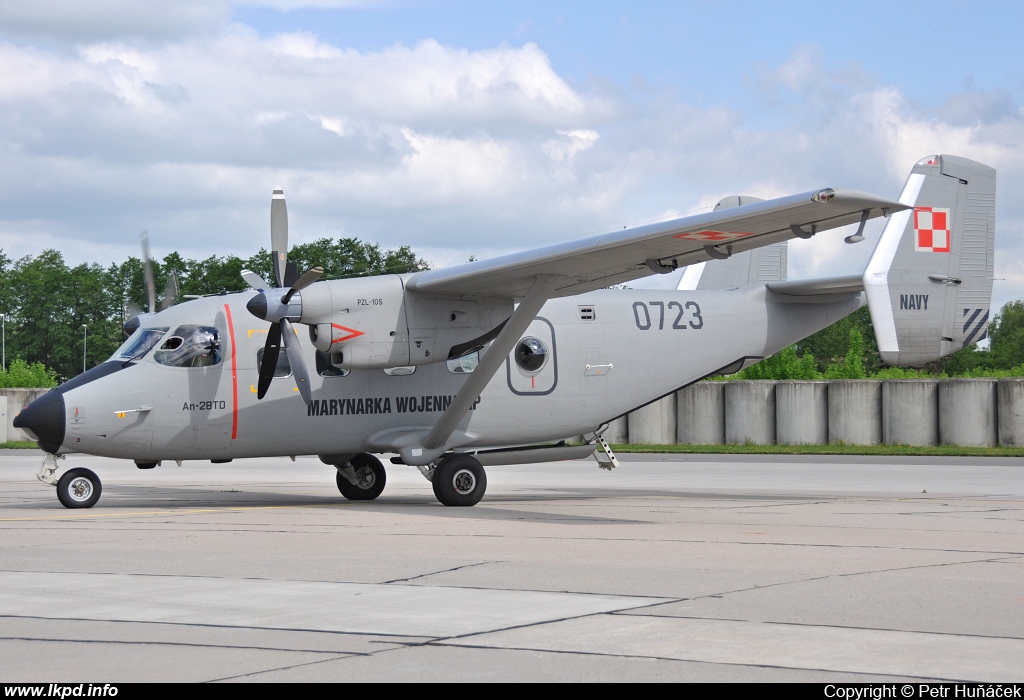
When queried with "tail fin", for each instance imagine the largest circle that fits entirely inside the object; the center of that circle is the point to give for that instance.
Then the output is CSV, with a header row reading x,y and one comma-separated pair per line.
x,y
750,267
929,280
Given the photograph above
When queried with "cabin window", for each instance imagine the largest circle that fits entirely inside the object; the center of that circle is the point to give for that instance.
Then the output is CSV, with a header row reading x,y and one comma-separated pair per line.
x,y
326,368
531,355
283,369
465,364
139,344
190,346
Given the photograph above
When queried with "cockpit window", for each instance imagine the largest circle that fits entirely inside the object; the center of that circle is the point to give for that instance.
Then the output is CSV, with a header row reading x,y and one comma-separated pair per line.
x,y
139,344
190,346
283,369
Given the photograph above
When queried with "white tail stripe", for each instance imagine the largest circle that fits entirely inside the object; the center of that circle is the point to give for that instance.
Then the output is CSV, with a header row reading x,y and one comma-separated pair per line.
x,y
691,276
876,275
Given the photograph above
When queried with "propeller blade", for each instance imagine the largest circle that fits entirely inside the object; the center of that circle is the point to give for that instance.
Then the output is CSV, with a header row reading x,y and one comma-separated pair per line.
x,y
170,292
279,235
296,361
254,280
147,272
131,309
308,278
268,366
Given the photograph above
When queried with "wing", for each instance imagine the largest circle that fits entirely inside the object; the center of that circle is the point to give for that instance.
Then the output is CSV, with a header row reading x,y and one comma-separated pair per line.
x,y
621,256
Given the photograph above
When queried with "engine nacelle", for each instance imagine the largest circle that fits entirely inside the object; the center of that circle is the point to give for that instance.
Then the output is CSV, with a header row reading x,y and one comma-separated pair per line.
x,y
361,319
373,323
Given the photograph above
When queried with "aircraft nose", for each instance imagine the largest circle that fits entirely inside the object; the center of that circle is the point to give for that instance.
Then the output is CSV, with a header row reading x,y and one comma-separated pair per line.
x,y
45,419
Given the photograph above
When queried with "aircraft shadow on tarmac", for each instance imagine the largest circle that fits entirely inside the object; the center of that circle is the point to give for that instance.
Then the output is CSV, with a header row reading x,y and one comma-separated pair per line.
x,y
171,500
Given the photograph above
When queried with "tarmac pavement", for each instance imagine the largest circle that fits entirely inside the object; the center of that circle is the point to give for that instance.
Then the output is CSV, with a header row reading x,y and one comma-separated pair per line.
x,y
672,567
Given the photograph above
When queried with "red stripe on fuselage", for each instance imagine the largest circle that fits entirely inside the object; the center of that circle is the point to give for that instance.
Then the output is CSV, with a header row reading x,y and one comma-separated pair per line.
x,y
234,375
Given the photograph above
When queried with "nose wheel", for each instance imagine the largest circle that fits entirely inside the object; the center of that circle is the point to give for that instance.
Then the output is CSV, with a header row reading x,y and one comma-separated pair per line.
x,y
79,488
459,480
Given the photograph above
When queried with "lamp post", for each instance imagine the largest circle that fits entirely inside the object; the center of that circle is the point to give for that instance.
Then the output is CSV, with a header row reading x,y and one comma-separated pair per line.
x,y
3,334
85,343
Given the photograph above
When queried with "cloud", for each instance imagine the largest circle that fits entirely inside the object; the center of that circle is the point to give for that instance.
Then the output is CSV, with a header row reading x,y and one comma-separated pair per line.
x,y
450,150
115,132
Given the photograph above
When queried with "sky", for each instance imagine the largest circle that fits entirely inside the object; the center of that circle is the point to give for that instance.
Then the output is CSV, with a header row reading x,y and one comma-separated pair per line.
x,y
474,129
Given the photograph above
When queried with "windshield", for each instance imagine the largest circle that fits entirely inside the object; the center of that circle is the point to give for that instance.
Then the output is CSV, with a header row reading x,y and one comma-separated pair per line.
x,y
140,343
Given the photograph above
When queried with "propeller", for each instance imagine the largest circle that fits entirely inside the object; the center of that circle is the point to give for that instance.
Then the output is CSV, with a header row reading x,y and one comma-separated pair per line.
x,y
279,304
134,312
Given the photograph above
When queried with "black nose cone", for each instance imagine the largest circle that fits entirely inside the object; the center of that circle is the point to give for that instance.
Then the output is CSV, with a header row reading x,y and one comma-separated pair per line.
x,y
258,305
45,418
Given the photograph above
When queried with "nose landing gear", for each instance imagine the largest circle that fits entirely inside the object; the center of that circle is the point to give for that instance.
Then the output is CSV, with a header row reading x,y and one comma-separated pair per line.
x,y
76,488
79,488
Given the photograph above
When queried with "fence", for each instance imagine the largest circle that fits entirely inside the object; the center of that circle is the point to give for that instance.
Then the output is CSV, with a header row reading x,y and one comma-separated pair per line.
x,y
924,412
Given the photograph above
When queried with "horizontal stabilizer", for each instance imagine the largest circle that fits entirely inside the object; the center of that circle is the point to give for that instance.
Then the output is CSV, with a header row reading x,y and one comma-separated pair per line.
x,y
850,284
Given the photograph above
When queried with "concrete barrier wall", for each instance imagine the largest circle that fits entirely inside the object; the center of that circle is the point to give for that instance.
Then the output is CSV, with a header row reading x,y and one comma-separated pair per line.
x,y
855,411
618,432
910,412
1010,411
750,412
655,423
801,413
967,412
18,399
700,410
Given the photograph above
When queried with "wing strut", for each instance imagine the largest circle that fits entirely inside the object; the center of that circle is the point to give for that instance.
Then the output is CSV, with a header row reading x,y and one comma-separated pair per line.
x,y
493,358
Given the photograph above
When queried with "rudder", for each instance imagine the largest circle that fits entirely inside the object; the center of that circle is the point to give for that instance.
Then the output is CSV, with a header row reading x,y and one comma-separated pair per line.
x,y
929,280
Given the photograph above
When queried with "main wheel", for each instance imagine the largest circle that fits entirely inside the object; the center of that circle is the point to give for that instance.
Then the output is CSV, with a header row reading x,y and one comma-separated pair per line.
x,y
459,480
370,479
79,488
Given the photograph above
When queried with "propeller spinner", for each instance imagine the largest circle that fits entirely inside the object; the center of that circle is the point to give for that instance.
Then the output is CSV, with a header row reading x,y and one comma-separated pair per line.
x,y
280,305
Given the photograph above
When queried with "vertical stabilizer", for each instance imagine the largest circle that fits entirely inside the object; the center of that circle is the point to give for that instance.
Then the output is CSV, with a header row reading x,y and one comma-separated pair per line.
x,y
751,267
929,280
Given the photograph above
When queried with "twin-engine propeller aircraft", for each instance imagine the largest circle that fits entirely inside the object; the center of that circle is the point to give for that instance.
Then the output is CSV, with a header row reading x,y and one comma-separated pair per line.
x,y
483,363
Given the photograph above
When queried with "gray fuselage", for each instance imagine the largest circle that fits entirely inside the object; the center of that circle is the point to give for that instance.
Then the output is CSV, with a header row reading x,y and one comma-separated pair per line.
x,y
633,347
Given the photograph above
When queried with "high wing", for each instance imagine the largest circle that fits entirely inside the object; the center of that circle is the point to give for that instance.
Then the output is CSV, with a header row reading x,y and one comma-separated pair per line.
x,y
621,256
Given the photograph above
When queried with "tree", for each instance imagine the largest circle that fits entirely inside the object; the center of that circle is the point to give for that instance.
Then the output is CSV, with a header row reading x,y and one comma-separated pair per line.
x,y
47,303
829,345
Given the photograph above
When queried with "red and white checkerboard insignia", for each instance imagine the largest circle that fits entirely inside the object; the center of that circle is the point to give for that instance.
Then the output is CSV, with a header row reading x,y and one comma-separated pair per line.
x,y
931,226
713,236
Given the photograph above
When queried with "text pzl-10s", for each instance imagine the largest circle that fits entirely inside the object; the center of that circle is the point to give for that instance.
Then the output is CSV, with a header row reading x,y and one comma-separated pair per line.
x,y
492,361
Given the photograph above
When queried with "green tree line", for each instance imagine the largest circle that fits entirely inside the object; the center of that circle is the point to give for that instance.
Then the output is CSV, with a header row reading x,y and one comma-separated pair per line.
x,y
848,350
56,315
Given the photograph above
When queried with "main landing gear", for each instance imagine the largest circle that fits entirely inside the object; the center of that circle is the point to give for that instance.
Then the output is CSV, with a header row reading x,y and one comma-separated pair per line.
x,y
458,479
361,478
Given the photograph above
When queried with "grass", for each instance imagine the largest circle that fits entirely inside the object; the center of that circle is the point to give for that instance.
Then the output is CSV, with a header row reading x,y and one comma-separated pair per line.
x,y
840,449
19,445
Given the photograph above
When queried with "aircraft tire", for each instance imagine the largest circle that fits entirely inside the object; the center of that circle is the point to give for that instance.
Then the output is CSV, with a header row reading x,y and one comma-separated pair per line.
x,y
459,480
79,488
372,479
